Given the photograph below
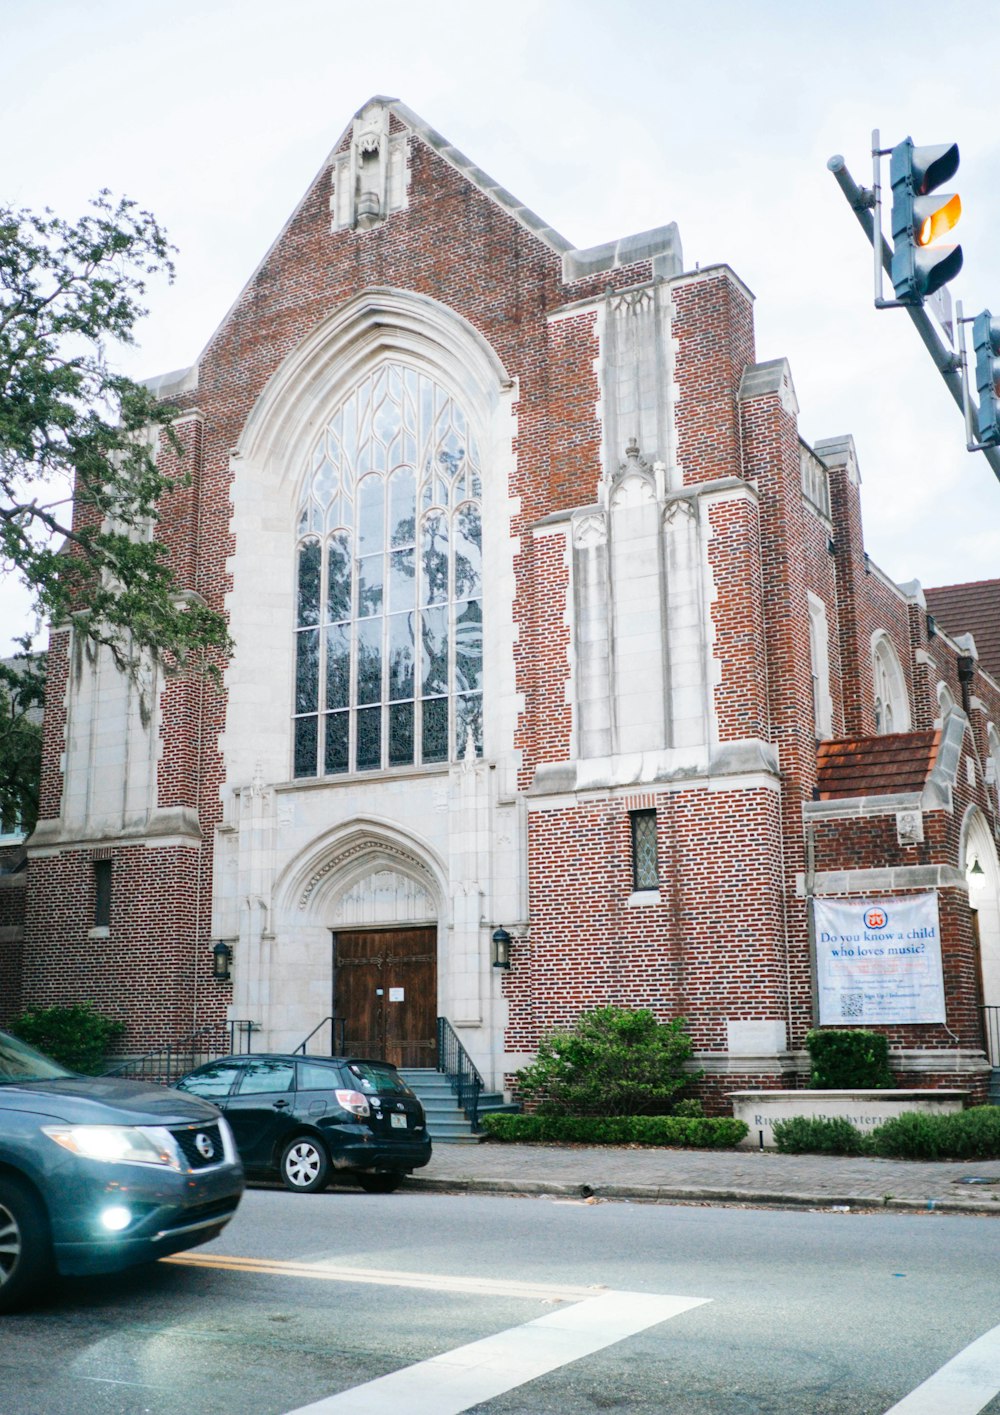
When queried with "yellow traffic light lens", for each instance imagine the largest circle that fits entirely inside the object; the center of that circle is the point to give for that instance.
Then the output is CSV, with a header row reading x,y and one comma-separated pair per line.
x,y
940,221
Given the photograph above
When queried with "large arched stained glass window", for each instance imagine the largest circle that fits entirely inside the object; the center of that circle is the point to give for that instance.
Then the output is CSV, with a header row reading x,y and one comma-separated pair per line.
x,y
389,644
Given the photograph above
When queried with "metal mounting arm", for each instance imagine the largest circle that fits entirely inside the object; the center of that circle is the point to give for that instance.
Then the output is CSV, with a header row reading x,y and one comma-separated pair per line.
x,y
948,364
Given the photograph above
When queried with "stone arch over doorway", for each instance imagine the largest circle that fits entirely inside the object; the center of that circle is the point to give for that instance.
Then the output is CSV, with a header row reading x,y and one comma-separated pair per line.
x,y
982,871
360,910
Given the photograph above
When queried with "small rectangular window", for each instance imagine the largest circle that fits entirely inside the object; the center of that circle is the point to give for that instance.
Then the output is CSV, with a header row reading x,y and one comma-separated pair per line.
x,y
102,894
644,871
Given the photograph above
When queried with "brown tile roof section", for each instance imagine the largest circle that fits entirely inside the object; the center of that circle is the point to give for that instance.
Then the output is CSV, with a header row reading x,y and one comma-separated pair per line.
x,y
875,766
971,609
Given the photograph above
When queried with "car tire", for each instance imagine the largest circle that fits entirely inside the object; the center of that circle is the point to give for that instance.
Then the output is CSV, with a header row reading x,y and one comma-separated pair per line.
x,y
305,1165
26,1265
380,1183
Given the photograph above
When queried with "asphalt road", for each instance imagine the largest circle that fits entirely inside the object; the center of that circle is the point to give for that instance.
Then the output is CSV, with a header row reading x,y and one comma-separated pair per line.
x,y
518,1305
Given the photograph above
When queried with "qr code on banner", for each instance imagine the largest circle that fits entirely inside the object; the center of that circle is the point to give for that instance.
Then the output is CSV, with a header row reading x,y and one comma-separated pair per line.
x,y
851,1004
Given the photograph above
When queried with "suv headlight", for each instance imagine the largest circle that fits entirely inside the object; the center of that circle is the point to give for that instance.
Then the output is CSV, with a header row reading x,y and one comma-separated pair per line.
x,y
117,1144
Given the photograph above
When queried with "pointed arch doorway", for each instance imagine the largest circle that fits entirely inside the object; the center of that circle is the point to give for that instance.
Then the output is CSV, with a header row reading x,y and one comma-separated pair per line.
x,y
982,872
385,989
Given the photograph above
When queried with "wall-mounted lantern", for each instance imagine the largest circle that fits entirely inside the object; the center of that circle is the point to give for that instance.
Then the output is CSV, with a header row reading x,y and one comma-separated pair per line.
x,y
222,958
501,948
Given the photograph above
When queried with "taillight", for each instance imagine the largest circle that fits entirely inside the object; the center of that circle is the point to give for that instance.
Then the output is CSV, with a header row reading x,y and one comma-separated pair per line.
x,y
353,1101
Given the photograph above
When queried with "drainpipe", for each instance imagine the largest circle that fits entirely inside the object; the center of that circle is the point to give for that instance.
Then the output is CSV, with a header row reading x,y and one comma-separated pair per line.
x,y
966,673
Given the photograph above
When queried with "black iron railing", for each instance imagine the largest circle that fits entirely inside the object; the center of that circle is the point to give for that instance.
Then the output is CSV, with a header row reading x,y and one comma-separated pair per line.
x,y
337,1047
991,1034
457,1065
168,1063
241,1036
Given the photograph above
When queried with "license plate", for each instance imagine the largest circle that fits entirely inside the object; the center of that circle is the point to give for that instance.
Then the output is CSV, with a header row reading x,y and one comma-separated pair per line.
x,y
398,1121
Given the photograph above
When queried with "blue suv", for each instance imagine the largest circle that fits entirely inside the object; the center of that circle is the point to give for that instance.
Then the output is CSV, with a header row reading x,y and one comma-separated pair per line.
x,y
97,1175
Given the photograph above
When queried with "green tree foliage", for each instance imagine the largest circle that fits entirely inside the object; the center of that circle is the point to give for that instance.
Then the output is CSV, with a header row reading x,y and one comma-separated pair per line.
x,y
78,1036
73,428
613,1062
22,688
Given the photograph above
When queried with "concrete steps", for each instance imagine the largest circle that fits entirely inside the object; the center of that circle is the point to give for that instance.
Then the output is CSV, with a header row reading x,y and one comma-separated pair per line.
x,y
447,1124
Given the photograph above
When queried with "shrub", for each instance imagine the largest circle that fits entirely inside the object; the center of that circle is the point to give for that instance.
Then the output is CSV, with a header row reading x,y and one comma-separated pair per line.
x,y
914,1135
79,1037
701,1132
845,1059
690,1107
614,1062
918,1135
977,1131
810,1135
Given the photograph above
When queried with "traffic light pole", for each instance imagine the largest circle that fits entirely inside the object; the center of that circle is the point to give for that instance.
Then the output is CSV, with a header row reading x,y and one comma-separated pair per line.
x,y
948,364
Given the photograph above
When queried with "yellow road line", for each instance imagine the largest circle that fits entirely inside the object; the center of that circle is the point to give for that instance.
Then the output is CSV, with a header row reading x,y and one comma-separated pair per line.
x,y
384,1277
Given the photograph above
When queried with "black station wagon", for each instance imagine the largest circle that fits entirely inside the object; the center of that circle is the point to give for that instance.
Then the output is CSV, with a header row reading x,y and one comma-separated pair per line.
x,y
308,1117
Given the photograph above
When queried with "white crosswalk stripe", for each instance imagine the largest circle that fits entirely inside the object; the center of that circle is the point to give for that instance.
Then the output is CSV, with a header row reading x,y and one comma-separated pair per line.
x,y
963,1386
459,1379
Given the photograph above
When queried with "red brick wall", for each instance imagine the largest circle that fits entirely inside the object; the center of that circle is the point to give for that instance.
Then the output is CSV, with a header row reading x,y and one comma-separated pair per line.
x,y
711,948
713,327
738,618
150,971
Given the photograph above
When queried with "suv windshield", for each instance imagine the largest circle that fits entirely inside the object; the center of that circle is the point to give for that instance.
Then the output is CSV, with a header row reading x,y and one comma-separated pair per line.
x,y
19,1062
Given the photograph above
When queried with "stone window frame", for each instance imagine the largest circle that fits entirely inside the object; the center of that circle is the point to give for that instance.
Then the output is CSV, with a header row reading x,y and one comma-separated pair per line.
x,y
890,699
102,894
993,763
642,836
819,666
815,483
322,523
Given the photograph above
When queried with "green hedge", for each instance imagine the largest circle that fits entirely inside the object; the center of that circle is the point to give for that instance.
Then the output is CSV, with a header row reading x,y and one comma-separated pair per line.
x,y
78,1037
809,1135
966,1134
848,1057
700,1132
914,1135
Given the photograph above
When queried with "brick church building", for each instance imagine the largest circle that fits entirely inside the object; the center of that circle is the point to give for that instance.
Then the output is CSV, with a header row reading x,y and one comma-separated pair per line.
x,y
548,625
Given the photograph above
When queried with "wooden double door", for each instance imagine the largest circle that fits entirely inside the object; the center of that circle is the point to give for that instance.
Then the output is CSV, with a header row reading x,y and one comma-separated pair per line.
x,y
385,989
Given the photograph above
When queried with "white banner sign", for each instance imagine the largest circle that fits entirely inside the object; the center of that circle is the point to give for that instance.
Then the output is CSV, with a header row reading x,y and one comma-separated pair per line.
x,y
878,960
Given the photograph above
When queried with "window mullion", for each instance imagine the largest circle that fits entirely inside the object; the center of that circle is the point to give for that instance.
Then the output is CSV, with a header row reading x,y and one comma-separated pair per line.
x,y
324,571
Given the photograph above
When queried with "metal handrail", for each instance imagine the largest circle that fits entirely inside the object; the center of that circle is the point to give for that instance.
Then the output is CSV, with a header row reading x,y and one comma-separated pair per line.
x,y
241,1029
454,1061
991,1033
337,1026
167,1063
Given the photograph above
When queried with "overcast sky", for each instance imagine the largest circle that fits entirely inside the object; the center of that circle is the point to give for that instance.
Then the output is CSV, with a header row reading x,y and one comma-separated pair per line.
x,y
605,119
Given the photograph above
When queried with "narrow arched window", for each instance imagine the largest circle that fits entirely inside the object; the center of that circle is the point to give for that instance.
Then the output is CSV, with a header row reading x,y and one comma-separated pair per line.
x,y
389,644
892,707
819,667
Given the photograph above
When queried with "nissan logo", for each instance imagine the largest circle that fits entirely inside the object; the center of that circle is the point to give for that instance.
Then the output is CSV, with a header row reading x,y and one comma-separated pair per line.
x,y
203,1144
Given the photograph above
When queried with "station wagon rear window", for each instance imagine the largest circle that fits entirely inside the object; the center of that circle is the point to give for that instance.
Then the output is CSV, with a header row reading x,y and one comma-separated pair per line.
x,y
378,1078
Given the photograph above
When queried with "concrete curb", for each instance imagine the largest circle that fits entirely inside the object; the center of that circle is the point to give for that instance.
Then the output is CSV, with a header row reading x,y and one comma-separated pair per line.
x,y
670,1194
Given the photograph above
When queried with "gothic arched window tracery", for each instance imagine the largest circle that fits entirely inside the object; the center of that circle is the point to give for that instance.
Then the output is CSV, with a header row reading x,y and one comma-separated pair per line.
x,y
389,645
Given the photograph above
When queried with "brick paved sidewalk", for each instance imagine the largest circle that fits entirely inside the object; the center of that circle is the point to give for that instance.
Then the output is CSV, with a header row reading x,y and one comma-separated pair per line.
x,y
733,1176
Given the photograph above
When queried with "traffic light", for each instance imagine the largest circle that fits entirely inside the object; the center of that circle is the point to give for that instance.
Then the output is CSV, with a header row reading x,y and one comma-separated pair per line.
x,y
919,218
986,342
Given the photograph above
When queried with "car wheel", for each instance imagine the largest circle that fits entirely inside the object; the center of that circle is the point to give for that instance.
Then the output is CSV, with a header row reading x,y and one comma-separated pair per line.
x,y
305,1166
25,1251
380,1183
